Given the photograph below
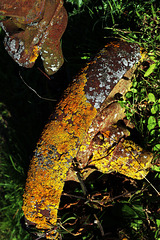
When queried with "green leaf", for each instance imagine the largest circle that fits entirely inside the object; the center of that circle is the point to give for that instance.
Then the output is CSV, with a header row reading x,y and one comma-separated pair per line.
x,y
156,147
152,133
150,70
158,222
151,97
136,224
158,38
153,58
156,168
85,57
151,123
134,84
127,211
134,90
129,94
154,109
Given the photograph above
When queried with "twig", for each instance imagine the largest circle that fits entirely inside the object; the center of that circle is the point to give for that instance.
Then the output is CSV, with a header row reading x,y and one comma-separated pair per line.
x,y
47,99
84,189
74,196
44,73
99,225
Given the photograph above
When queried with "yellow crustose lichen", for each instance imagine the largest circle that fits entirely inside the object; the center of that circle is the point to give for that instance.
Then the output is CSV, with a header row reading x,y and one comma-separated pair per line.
x,y
121,158
46,179
35,54
71,133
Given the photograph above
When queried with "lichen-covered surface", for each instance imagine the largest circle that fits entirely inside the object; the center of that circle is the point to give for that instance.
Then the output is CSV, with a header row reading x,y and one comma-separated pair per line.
x,y
85,127
33,28
27,10
53,156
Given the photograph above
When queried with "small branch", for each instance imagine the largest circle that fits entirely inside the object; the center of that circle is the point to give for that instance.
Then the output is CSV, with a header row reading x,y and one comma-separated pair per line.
x,y
74,196
46,99
99,225
84,189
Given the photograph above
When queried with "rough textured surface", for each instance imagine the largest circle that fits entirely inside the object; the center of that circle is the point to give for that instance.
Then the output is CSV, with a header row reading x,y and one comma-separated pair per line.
x,y
85,127
33,28
101,78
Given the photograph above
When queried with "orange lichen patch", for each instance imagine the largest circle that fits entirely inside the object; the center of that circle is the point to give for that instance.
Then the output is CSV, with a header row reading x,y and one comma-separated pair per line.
x,y
43,191
35,54
53,234
136,162
77,116
56,148
114,44
126,158
106,134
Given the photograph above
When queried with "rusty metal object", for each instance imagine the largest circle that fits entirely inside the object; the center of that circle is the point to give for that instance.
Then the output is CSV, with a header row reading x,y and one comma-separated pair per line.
x,y
33,28
85,128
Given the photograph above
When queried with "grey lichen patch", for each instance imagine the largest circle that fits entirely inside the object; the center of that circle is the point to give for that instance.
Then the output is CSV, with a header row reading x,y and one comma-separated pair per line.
x,y
107,69
14,48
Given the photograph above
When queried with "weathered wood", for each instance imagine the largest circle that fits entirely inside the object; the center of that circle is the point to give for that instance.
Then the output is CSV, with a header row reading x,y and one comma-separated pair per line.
x,y
34,27
85,128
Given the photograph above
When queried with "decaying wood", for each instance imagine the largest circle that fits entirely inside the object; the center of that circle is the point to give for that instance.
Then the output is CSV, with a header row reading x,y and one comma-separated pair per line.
x,y
88,128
